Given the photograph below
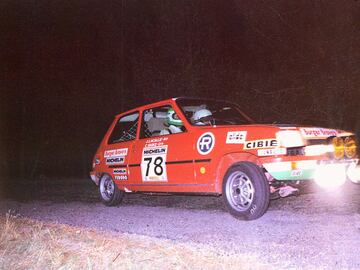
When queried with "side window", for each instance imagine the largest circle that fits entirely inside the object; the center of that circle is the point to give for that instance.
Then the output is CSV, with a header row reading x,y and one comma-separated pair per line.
x,y
160,121
125,129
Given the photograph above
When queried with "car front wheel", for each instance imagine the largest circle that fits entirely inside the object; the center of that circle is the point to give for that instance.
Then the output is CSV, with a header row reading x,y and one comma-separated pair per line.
x,y
245,191
110,195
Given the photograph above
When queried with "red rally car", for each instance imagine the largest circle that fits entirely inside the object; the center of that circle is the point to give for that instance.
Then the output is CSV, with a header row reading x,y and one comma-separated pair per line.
x,y
212,147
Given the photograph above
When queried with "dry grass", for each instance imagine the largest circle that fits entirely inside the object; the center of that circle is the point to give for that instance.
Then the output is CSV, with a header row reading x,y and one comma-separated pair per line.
x,y
29,244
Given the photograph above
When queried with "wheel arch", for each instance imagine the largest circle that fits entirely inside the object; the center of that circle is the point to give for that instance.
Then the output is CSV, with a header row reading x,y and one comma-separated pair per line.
x,y
229,160
100,175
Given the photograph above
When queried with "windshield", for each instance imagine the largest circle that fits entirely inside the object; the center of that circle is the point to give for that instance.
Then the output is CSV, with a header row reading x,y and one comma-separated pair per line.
x,y
202,112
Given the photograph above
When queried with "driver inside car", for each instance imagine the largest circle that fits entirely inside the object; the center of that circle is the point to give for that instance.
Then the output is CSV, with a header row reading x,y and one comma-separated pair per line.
x,y
203,117
173,122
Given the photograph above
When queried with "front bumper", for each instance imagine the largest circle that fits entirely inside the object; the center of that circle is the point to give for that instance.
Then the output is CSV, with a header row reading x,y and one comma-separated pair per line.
x,y
307,169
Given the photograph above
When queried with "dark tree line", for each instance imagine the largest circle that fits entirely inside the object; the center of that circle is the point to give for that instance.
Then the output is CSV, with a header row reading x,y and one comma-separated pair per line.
x,y
68,67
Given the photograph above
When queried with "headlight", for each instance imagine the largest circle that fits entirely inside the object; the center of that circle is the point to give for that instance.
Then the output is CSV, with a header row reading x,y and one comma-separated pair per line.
x,y
289,138
353,173
350,147
338,145
330,176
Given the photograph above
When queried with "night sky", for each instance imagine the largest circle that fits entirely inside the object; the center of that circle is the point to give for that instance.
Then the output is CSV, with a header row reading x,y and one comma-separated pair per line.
x,y
67,67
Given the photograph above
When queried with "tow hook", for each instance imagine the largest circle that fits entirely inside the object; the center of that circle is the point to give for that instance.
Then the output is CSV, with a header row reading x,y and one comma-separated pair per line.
x,y
287,191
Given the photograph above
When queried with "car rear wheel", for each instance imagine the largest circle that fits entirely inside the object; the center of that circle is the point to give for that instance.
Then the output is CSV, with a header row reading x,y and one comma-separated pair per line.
x,y
245,191
110,195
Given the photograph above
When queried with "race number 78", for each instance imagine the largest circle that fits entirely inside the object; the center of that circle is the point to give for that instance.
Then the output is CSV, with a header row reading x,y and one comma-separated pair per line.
x,y
157,168
153,164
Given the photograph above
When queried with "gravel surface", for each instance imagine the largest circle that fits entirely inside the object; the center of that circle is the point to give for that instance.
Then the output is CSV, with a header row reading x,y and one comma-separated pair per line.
x,y
313,231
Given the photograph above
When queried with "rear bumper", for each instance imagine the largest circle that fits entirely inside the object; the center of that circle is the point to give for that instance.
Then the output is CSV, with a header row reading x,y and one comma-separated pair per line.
x,y
95,177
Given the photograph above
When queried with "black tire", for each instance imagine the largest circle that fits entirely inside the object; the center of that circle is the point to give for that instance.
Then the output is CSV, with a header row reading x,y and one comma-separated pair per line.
x,y
109,193
246,191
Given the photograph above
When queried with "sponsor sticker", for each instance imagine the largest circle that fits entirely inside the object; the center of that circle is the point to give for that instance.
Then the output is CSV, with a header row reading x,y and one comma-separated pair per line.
x,y
115,160
267,143
271,152
121,177
296,173
116,152
119,171
318,132
153,163
155,151
236,137
156,142
205,143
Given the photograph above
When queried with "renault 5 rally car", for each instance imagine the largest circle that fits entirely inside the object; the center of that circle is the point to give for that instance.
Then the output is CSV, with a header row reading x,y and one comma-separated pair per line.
x,y
204,146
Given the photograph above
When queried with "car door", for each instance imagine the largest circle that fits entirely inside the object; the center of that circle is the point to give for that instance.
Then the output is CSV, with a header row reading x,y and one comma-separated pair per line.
x,y
161,160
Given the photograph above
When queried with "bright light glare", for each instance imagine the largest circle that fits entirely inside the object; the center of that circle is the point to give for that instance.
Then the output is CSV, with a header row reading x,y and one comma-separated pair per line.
x,y
317,150
289,138
354,174
330,176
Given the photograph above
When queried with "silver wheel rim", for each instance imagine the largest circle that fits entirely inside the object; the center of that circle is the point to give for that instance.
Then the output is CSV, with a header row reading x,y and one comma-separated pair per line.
x,y
239,191
107,188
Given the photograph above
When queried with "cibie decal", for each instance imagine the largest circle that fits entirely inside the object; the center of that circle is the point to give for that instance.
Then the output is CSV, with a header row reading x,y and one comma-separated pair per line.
x,y
236,137
116,152
268,143
206,143
318,132
153,164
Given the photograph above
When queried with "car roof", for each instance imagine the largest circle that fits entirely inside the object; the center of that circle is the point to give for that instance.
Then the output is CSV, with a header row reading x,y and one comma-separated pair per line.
x,y
139,108
169,101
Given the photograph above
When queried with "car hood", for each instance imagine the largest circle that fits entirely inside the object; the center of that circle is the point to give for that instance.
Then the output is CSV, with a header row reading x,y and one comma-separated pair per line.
x,y
308,132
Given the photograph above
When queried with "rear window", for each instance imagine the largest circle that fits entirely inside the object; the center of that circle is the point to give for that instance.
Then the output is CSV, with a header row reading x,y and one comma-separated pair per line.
x,y
125,129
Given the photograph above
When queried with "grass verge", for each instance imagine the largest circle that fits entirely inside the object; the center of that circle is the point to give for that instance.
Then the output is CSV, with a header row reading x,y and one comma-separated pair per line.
x,y
30,244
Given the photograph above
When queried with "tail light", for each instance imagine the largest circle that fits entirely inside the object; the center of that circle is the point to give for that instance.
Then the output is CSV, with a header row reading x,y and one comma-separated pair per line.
x,y
96,162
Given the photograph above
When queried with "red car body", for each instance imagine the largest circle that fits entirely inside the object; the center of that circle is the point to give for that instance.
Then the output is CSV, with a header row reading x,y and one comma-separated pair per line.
x,y
135,157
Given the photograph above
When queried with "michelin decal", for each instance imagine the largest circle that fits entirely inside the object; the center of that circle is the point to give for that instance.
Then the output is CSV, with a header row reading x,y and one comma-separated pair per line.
x,y
119,171
115,160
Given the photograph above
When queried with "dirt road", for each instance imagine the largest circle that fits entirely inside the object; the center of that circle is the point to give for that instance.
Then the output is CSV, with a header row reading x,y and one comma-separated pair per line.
x,y
313,231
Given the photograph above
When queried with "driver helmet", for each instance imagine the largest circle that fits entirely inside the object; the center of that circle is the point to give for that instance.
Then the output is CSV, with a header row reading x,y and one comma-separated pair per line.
x,y
202,117
172,118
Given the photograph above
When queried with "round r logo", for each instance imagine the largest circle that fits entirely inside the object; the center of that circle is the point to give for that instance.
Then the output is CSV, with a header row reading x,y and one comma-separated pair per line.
x,y
206,143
